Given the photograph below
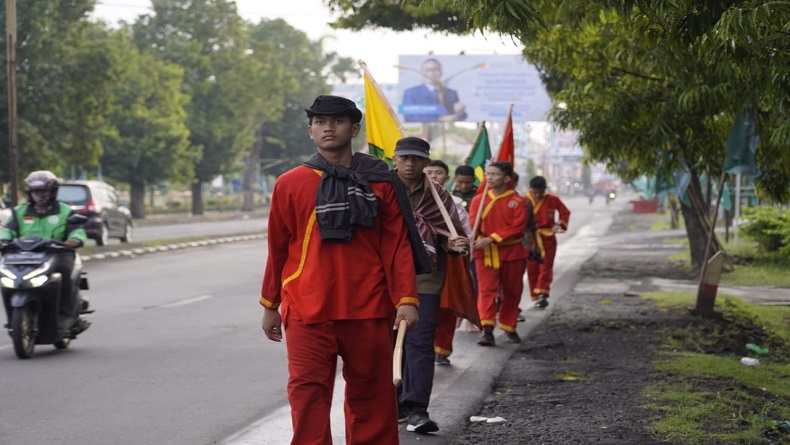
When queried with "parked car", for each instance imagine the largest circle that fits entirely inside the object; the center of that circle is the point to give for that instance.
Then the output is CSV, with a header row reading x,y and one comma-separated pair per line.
x,y
97,200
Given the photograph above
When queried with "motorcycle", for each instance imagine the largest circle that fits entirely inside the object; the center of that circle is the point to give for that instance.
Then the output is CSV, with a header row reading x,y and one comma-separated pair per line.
x,y
31,291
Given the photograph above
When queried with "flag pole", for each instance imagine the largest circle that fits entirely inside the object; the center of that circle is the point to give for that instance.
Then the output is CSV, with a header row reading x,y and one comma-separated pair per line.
x,y
479,215
706,291
390,110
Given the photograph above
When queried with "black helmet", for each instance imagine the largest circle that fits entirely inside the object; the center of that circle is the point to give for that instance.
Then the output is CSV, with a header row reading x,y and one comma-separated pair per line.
x,y
41,180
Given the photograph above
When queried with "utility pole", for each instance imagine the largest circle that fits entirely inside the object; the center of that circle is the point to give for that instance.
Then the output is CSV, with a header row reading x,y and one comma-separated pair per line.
x,y
10,14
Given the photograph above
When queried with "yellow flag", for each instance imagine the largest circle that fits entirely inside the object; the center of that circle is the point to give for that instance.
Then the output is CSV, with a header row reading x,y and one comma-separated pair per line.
x,y
382,129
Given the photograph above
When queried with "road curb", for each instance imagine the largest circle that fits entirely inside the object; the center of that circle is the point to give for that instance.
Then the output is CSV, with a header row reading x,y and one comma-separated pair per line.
x,y
131,253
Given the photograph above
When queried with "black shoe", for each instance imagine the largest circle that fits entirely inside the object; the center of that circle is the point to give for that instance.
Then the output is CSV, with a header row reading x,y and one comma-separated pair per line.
x,y
512,337
420,423
403,413
542,302
441,360
487,339
79,326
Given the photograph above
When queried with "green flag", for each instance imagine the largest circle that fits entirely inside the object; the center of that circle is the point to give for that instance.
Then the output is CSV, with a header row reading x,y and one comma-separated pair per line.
x,y
742,144
480,154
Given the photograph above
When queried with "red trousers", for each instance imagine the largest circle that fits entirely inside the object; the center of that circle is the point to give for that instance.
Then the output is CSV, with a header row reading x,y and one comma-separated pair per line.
x,y
505,283
370,406
443,344
540,275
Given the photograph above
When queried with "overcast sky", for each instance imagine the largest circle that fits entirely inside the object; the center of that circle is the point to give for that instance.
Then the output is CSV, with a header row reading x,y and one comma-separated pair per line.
x,y
379,49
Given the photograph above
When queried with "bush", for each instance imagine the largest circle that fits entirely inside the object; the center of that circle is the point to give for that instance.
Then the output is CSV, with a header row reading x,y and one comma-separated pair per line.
x,y
769,226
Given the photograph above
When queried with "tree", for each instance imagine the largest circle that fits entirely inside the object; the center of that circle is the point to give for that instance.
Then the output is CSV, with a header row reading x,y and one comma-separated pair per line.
x,y
654,86
229,87
150,141
63,82
286,138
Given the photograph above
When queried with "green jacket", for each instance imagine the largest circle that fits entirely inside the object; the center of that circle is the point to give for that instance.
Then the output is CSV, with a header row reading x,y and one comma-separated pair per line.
x,y
51,225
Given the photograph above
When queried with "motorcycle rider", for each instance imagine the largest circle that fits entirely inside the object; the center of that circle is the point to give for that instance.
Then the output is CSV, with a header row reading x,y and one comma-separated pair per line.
x,y
46,217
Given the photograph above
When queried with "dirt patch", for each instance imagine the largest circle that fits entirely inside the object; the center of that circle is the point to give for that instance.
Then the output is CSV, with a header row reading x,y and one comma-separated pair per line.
x,y
577,379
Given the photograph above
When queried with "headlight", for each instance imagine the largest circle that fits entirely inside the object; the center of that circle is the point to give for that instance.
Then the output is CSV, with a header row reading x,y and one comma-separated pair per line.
x,y
38,281
7,272
7,282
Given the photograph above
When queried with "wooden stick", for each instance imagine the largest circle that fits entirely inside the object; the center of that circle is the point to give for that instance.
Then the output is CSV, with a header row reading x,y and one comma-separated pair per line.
x,y
397,356
443,210
479,215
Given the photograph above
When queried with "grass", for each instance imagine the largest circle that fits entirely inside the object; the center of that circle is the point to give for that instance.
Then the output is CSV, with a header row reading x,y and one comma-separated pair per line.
x,y
663,224
703,394
753,267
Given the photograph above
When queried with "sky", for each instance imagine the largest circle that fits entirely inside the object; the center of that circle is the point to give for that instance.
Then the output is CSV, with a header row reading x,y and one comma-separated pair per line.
x,y
379,49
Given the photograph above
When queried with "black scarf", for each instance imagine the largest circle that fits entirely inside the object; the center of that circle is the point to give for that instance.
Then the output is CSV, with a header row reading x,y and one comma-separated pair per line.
x,y
345,200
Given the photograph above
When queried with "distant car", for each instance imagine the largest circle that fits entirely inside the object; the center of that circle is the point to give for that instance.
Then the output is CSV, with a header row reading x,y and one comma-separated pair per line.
x,y
97,200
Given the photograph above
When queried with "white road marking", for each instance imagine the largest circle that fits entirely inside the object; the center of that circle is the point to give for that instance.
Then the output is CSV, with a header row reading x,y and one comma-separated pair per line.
x,y
187,301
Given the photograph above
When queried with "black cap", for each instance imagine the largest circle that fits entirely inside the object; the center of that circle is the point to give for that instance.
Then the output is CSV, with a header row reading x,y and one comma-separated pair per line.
x,y
334,106
413,146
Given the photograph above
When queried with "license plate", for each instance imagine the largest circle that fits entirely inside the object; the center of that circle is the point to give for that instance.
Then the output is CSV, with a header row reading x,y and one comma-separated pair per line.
x,y
24,257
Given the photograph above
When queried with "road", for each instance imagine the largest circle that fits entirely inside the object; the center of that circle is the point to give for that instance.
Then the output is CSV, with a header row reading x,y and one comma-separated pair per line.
x,y
175,354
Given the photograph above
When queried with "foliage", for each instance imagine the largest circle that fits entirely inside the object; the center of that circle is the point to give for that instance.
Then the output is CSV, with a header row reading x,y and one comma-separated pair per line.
x,y
149,143
209,41
62,82
769,226
404,15
286,139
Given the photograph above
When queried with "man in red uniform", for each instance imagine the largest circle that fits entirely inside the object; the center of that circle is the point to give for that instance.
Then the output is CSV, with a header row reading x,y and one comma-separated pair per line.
x,y
439,172
540,267
339,265
499,254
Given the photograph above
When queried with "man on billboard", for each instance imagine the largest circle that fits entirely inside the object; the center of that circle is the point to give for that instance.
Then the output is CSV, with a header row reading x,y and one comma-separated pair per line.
x,y
432,101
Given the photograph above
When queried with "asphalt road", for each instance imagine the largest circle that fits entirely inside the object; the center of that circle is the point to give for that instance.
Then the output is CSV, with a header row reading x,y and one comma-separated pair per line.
x,y
175,354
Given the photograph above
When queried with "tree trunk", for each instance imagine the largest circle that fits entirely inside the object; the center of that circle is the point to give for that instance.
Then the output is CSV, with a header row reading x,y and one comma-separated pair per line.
x,y
674,212
250,181
698,222
137,199
197,198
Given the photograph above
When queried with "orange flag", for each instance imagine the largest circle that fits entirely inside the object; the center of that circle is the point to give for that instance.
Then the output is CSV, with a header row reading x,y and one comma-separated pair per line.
x,y
458,293
507,149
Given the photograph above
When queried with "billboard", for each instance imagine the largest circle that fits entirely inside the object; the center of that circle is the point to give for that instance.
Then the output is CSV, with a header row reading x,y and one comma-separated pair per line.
x,y
471,88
